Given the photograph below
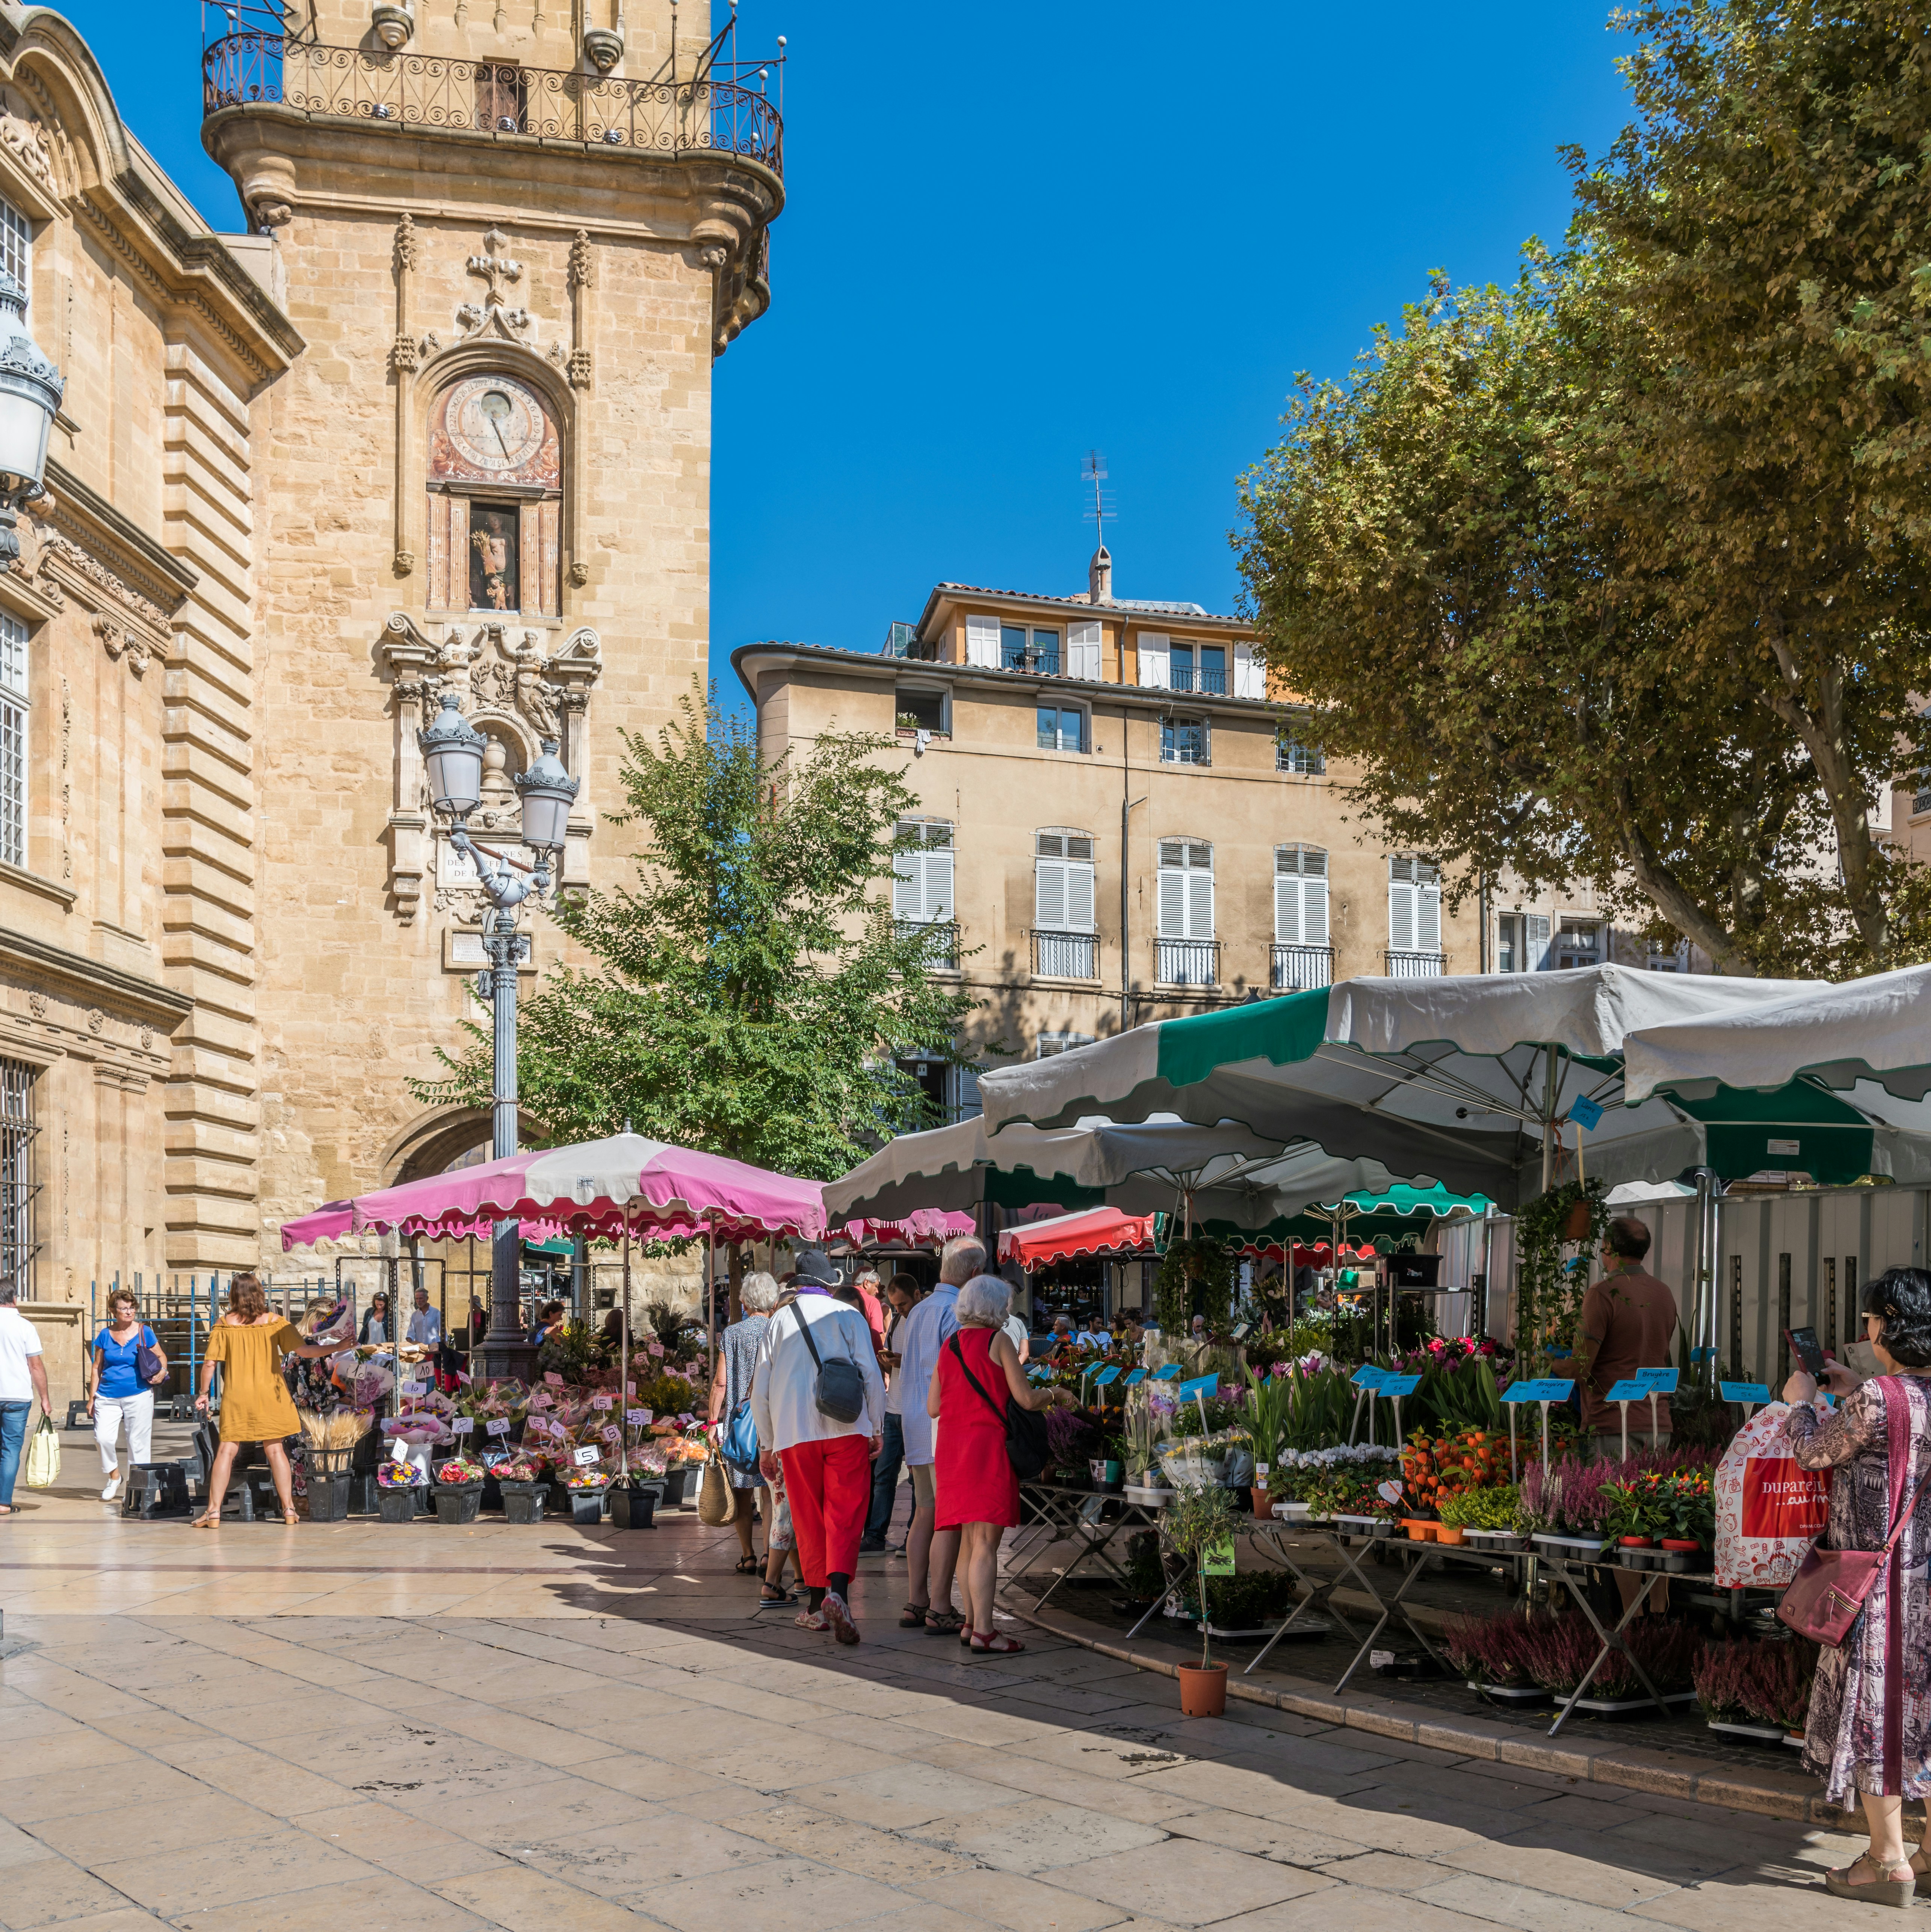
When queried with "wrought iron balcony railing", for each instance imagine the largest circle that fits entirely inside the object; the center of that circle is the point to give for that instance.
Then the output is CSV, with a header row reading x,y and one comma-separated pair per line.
x,y
1416,965
1187,962
943,956
1299,968
1214,683
1042,664
660,117
1066,955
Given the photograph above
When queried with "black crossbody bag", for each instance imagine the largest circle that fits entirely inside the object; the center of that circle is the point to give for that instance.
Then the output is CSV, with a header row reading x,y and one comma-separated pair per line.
x,y
840,1392
1026,1446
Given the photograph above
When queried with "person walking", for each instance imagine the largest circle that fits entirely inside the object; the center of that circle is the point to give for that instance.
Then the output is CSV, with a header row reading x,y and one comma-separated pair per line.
x,y
1869,1729
117,1391
1628,1322
23,1381
738,1349
978,1492
931,1555
826,1462
256,1406
902,1296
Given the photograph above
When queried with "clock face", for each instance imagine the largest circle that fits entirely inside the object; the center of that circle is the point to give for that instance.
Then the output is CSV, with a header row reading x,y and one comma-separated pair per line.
x,y
495,425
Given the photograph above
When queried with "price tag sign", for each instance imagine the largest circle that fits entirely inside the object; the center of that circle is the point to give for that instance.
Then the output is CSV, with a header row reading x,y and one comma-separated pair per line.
x,y
1523,1392
554,1379
584,1457
1756,1392
412,1388
463,1425
1368,1377
1395,1384
497,1425
1551,1390
1632,1390
611,1433
1217,1559
1106,1375
1201,1385
1170,1373
637,1418
1038,1372
1657,1382
1136,1377
602,1401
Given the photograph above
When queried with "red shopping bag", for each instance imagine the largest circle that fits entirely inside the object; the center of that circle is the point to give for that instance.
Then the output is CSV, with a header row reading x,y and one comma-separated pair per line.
x,y
1769,1511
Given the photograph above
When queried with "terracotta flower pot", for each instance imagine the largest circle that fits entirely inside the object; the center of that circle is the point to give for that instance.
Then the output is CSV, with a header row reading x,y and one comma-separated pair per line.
x,y
1263,1505
1576,1228
1450,1533
1203,1689
1677,1543
1638,1542
1418,1530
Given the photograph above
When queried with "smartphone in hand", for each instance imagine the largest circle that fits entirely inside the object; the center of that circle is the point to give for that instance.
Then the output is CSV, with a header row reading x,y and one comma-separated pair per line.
x,y
1808,1350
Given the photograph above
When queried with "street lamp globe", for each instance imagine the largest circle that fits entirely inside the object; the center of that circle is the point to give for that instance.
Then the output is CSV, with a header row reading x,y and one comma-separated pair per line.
x,y
31,388
452,748
548,791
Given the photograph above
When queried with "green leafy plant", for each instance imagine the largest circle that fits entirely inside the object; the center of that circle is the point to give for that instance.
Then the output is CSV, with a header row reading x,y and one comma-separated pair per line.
x,y
1267,1406
1548,1292
1193,1523
1635,1508
1492,1507
1196,1277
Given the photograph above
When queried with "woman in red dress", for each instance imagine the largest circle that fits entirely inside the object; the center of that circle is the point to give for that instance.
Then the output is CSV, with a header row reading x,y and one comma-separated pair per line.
x,y
978,1493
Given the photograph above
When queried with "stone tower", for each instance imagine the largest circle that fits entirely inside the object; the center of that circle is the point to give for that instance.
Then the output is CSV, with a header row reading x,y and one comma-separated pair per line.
x,y
513,235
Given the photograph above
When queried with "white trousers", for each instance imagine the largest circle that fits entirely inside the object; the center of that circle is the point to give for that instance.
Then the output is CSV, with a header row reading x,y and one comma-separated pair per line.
x,y
139,1411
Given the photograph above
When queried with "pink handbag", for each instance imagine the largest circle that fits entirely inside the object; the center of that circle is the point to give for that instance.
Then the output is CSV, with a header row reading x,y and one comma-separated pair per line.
x,y
1825,1597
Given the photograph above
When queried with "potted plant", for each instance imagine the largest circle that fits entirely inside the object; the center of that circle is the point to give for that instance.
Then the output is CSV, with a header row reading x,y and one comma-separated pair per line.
x,y
634,1502
1454,1518
1690,1513
1635,1510
400,1488
1193,1523
523,1490
459,1490
1488,1516
1267,1403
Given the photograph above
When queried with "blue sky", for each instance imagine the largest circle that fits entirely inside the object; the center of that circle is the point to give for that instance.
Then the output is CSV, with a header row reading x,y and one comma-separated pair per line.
x,y
1109,229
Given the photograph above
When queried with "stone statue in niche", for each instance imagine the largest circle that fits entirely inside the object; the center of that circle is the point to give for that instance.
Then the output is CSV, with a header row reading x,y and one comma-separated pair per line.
x,y
494,562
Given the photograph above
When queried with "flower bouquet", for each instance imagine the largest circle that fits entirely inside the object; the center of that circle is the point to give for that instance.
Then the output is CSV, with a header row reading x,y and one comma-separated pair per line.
x,y
460,1469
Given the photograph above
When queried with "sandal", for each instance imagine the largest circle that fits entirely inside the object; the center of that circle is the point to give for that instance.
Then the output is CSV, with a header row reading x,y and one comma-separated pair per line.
x,y
943,1623
913,1617
811,1620
749,1566
995,1643
774,1593
289,1517
205,1522
1884,1889
1921,1872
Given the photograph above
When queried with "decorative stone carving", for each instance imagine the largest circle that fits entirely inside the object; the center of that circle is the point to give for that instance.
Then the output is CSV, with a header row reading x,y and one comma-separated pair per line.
x,y
494,314
36,1005
147,1039
96,1020
26,141
117,640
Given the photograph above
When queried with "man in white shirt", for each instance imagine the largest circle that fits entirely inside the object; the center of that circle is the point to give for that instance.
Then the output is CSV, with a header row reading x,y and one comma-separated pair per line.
x,y
23,1381
425,1325
931,1558
902,1296
826,1463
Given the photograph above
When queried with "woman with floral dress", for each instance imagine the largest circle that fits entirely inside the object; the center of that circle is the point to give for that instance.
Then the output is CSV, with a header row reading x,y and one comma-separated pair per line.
x,y
1869,1729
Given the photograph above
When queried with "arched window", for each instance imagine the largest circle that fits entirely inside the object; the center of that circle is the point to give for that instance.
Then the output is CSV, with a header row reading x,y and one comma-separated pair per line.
x,y
496,500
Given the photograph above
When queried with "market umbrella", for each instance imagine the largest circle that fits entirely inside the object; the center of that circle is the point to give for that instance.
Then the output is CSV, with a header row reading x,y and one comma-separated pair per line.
x,y
1465,1082
1100,1231
921,1225
1145,1167
328,1222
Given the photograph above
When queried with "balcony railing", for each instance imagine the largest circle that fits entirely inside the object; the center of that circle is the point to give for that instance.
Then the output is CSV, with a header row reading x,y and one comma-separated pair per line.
x,y
1297,968
1416,965
411,90
943,955
1213,682
1065,956
1041,664
1186,962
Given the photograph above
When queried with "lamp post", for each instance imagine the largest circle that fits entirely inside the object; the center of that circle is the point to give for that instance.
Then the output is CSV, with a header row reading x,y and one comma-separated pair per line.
x,y
31,388
452,750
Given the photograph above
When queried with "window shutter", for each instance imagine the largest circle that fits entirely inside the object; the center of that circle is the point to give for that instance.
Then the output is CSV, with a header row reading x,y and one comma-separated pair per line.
x,y
908,896
1083,651
965,1102
1172,903
1287,906
1049,894
1153,662
982,641
1249,680
1079,898
939,883
1535,950
1313,915
1400,905
1200,905
1428,915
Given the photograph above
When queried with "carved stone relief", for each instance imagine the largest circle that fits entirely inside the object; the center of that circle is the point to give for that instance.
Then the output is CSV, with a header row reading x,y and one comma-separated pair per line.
x,y
494,314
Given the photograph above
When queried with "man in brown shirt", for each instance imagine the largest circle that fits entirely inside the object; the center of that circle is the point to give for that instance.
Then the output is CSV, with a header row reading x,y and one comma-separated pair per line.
x,y
1628,1322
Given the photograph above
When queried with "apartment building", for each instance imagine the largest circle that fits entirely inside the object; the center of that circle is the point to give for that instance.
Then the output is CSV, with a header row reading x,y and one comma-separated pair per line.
x,y
1116,821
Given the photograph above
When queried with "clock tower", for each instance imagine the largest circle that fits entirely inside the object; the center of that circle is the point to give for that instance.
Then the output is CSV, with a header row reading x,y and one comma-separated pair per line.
x,y
513,236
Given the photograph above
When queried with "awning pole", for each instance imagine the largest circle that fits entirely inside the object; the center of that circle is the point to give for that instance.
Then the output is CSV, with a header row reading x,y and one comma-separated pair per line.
x,y
623,1371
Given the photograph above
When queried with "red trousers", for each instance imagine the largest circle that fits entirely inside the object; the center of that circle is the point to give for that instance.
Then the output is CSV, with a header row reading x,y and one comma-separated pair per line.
x,y
828,1484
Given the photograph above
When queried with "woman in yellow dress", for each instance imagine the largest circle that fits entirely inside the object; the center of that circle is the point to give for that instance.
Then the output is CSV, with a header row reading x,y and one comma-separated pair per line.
x,y
250,1344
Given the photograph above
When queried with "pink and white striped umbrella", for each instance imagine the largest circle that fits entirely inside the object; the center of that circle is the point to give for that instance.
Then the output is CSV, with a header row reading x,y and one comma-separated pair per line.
x,y
603,1189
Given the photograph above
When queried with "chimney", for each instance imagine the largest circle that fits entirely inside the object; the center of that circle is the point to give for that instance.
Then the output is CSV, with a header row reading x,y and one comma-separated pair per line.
x,y
1099,577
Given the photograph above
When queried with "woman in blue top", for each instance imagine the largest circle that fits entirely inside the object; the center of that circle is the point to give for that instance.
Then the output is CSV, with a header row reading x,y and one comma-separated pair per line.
x,y
115,1388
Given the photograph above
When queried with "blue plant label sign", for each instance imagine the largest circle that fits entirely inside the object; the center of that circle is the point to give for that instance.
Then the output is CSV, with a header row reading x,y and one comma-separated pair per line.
x,y
1547,1390
1393,1384
1137,1376
1202,1385
1755,1392
1170,1373
1657,1382
1106,1375
1369,1377
1585,1112
1632,1390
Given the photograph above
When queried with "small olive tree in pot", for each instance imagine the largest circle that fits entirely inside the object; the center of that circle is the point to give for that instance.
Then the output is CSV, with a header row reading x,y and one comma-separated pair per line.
x,y
1197,1519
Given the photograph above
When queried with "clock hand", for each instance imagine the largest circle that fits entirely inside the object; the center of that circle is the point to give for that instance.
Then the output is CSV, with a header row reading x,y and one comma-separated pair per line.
x,y
500,444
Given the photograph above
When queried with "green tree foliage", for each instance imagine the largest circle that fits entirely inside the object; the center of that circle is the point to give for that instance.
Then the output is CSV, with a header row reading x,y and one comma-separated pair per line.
x,y
1636,546
751,991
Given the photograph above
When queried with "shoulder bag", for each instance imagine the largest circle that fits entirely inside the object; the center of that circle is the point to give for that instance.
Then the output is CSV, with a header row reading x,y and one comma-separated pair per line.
x,y
840,1393
1026,1445
1828,1594
40,1466
737,1443
147,1359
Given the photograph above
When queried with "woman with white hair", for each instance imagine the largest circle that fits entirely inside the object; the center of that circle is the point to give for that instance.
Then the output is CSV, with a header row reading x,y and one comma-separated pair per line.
x,y
730,1386
978,1373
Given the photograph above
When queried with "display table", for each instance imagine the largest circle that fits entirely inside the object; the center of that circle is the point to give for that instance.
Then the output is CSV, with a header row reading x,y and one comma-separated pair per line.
x,y
1092,1520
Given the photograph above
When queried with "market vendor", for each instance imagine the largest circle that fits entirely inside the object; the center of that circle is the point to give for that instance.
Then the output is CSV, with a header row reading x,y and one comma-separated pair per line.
x,y
1628,1322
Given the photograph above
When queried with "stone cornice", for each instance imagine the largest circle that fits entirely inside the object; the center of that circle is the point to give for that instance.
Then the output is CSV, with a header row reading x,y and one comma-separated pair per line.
x,y
117,541
144,999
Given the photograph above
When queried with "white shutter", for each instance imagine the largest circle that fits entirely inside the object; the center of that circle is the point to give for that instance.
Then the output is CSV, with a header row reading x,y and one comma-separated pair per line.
x,y
1200,905
1172,903
1313,915
1153,662
1049,894
908,894
965,1102
1535,948
1428,913
1249,681
1400,905
1083,651
982,641
939,884
1287,910
1079,898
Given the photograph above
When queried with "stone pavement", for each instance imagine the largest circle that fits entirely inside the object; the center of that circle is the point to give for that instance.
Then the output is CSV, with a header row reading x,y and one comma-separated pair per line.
x,y
418,1727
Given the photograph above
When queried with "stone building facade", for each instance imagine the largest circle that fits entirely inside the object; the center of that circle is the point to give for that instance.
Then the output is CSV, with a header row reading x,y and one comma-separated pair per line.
x,y
440,421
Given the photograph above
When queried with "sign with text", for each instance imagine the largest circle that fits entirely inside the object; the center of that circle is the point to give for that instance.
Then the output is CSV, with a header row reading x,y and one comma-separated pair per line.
x,y
1136,1377
1657,1382
462,1425
1201,1385
1547,1390
1106,1375
1170,1373
497,1425
1369,1377
1629,1391
1756,1392
1398,1385
585,1456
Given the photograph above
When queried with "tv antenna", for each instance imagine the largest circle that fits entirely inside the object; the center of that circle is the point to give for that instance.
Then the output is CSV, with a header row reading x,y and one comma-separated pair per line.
x,y
1092,477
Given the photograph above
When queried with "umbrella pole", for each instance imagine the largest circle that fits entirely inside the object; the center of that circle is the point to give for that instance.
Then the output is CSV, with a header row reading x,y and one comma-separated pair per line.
x,y
1548,1120
623,1371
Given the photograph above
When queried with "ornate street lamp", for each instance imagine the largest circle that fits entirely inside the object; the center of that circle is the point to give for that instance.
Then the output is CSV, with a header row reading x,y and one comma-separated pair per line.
x,y
452,750
31,388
